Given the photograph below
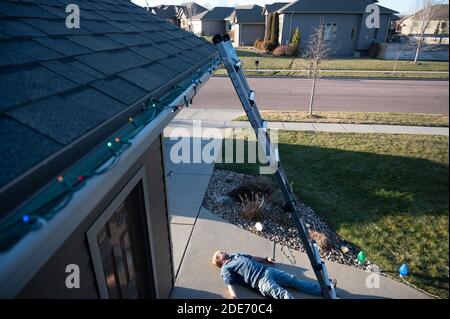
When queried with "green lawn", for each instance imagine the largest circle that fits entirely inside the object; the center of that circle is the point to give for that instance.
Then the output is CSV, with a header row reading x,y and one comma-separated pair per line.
x,y
248,57
267,61
331,74
208,38
386,194
416,119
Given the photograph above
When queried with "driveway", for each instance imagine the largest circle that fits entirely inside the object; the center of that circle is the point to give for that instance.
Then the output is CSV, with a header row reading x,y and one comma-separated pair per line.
x,y
409,96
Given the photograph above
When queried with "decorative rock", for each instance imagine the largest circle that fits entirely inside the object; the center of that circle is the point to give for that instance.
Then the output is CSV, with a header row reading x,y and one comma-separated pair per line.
x,y
276,228
259,226
373,268
224,201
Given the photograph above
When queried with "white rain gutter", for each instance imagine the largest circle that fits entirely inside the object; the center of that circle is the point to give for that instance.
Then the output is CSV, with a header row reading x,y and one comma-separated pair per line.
x,y
19,264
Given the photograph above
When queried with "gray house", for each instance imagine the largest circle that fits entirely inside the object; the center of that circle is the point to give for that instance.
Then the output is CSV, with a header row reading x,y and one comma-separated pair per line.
x,y
343,22
82,177
211,22
246,25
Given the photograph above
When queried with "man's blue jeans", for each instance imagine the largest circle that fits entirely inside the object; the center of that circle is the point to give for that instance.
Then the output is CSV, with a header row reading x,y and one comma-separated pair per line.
x,y
273,283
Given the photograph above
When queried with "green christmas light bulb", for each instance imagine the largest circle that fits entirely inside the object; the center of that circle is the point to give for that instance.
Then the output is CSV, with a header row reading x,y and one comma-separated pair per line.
x,y
361,256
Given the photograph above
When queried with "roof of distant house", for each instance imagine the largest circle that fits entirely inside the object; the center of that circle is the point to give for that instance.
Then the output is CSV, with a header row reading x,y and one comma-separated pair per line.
x,y
217,13
440,12
166,11
331,6
250,15
191,8
64,91
250,6
270,8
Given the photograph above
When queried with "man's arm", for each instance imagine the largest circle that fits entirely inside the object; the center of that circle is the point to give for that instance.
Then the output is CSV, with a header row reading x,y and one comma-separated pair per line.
x,y
232,291
262,260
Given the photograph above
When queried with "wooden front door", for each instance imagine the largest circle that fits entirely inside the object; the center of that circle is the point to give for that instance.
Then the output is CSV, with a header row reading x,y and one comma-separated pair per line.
x,y
124,249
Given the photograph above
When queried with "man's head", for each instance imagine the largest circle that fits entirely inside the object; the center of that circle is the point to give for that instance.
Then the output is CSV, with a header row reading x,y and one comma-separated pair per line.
x,y
219,258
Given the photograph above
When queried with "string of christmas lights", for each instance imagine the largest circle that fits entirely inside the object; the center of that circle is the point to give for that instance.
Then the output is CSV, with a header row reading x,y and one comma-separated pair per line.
x,y
58,194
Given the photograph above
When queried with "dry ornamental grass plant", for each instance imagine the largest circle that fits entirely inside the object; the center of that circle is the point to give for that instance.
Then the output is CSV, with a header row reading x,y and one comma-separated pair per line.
x,y
252,208
322,241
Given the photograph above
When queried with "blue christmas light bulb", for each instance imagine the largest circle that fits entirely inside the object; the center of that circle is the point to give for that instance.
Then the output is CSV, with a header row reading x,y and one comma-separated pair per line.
x,y
404,270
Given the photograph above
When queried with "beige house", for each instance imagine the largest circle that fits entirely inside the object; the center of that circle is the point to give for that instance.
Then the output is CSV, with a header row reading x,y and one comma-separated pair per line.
x,y
185,13
436,30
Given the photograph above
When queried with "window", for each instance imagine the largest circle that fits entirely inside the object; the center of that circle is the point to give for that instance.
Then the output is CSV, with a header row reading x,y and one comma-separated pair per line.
x,y
329,31
353,34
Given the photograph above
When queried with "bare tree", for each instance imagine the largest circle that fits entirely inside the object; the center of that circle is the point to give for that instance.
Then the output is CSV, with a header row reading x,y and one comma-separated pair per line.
x,y
399,49
318,49
421,24
191,10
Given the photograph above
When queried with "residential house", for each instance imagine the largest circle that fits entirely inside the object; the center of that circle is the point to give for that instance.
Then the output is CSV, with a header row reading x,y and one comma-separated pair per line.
x,y
186,11
211,22
169,13
435,30
344,23
246,25
268,12
82,176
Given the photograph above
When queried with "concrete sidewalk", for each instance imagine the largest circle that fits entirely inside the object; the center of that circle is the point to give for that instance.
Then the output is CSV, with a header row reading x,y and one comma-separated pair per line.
x,y
223,119
196,234
349,71
198,278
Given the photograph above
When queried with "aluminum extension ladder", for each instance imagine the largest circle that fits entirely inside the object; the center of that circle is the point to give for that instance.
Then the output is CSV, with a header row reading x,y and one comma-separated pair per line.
x,y
247,97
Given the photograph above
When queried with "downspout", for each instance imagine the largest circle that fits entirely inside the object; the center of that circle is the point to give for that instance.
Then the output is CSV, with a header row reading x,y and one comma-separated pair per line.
x,y
290,27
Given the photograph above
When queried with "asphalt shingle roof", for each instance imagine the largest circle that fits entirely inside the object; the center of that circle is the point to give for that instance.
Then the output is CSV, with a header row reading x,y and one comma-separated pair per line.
x,y
251,15
440,12
216,13
59,84
332,6
191,8
270,8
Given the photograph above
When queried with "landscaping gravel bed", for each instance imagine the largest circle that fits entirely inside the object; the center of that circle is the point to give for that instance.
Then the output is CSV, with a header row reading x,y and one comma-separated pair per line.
x,y
226,196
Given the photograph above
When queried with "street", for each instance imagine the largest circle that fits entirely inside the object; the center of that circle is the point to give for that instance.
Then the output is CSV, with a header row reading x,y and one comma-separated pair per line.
x,y
359,95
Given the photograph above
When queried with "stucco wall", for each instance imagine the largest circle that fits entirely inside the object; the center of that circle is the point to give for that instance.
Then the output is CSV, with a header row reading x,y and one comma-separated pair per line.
x,y
343,44
213,27
367,36
408,27
249,33
197,27
234,34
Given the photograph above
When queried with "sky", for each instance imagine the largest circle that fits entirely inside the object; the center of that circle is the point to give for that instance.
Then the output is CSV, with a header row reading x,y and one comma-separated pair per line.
x,y
402,6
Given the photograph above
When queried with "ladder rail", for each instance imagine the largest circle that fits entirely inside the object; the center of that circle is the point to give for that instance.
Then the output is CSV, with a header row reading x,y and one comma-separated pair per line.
x,y
229,49
234,68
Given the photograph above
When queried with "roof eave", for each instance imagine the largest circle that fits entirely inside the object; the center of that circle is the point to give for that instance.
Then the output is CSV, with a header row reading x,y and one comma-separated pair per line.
x,y
22,188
